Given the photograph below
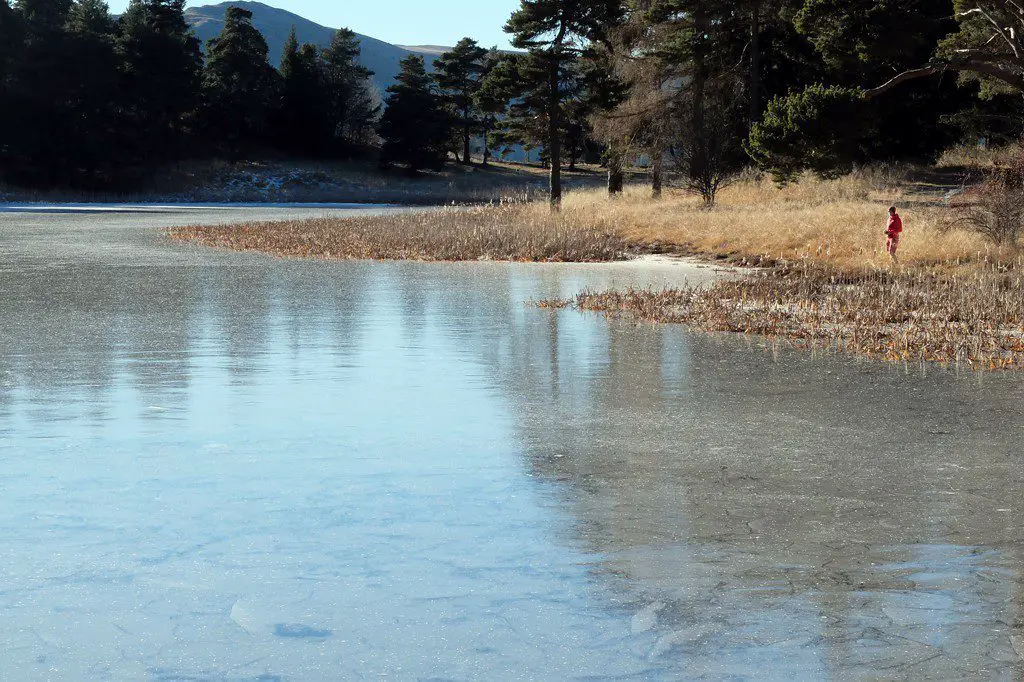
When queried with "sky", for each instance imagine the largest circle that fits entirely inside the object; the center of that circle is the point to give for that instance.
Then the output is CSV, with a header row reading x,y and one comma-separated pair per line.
x,y
400,22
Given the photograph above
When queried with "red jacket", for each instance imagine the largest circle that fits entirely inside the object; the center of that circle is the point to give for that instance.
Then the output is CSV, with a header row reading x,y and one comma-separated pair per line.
x,y
895,224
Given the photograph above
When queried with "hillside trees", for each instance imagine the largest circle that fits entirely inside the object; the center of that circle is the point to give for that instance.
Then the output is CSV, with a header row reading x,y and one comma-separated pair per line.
x,y
302,120
458,73
96,102
92,101
58,80
9,39
160,78
95,95
38,99
352,104
415,127
327,105
239,85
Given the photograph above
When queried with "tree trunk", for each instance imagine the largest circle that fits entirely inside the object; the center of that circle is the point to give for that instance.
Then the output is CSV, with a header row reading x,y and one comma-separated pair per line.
x,y
554,139
488,126
656,174
615,176
466,158
755,63
698,160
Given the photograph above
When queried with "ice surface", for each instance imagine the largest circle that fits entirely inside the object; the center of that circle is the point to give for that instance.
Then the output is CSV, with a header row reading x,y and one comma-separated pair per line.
x,y
219,466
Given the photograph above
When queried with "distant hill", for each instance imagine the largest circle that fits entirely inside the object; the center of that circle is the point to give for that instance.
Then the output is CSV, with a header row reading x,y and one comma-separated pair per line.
x,y
275,25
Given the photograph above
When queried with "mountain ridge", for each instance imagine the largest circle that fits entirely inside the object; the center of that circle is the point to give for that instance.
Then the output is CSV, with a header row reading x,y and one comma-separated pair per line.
x,y
275,24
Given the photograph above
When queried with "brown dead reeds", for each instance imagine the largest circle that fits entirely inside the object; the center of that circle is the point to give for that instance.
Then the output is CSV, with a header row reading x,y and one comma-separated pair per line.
x,y
507,233
975,318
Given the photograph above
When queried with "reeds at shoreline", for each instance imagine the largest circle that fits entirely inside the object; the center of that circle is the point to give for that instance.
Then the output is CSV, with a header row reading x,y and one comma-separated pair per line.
x,y
506,233
975,318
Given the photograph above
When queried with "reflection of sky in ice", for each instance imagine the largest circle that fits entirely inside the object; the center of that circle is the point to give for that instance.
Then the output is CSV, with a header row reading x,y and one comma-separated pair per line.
x,y
234,467
367,497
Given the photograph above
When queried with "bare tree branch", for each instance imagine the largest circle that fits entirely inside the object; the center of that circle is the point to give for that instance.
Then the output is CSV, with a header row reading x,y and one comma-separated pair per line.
x,y
913,74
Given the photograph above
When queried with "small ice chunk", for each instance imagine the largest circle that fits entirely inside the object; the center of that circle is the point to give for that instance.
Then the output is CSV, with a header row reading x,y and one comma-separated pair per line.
x,y
646,618
300,631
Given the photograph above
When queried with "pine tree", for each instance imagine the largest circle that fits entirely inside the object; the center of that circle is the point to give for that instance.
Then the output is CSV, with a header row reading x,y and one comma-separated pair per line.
x,y
554,31
458,73
239,85
39,105
94,93
489,106
44,15
514,95
352,101
161,65
9,38
415,127
10,43
302,120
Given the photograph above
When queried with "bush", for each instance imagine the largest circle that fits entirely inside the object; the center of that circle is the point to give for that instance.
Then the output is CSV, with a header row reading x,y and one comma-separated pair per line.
x,y
819,129
994,208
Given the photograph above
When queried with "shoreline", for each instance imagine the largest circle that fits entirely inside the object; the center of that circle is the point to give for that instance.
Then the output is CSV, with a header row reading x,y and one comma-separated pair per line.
x,y
944,304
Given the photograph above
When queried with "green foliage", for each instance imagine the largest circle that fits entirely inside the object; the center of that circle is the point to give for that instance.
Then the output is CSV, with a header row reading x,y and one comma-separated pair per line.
x,y
302,122
989,34
10,38
161,68
89,101
41,16
819,129
459,73
352,103
415,127
58,81
866,42
515,91
853,34
239,84
546,24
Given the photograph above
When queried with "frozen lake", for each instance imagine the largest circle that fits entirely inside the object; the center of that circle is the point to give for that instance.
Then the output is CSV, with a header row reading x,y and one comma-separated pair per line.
x,y
220,466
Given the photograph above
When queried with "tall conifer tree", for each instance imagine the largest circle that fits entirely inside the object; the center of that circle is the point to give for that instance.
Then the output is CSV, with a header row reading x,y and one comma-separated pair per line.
x,y
239,84
352,101
458,73
94,93
302,121
161,65
415,128
39,101
554,31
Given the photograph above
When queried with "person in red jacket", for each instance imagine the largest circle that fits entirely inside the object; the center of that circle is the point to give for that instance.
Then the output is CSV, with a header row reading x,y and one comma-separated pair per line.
x,y
893,230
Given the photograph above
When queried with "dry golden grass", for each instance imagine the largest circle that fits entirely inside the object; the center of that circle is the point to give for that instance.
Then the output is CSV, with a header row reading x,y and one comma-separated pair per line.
x,y
840,223
973,156
509,232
